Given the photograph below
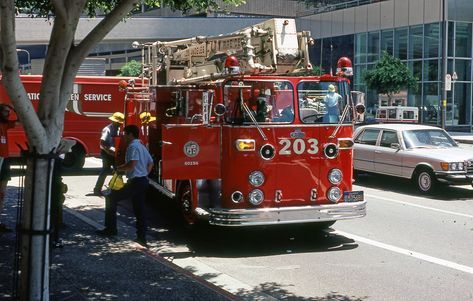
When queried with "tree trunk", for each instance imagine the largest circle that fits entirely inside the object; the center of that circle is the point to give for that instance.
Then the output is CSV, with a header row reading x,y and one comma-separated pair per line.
x,y
35,227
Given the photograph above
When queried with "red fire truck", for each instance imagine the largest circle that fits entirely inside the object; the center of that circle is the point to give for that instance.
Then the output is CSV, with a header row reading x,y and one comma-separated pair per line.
x,y
241,136
93,100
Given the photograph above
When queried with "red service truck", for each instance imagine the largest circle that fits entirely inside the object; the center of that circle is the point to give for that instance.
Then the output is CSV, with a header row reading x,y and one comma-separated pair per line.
x,y
93,100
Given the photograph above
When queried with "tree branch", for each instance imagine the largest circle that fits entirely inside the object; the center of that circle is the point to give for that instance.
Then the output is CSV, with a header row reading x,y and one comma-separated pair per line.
x,y
59,9
61,43
11,78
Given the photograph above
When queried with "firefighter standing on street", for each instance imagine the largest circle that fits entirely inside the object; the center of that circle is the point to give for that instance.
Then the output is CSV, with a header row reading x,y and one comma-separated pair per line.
x,y
107,149
137,166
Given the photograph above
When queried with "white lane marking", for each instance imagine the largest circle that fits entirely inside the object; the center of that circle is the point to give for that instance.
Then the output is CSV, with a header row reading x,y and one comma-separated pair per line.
x,y
421,206
421,256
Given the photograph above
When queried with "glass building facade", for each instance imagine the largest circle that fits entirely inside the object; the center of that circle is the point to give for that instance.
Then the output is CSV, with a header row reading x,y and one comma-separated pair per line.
x,y
418,43
420,48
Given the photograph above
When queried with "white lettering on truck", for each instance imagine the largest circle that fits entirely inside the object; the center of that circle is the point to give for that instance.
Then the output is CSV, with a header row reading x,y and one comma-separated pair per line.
x,y
98,97
74,96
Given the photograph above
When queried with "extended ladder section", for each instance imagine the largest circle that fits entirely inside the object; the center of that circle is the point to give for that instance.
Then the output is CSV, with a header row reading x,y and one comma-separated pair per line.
x,y
273,46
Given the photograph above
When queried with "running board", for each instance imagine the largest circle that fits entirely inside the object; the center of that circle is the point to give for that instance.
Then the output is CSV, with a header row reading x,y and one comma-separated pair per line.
x,y
161,189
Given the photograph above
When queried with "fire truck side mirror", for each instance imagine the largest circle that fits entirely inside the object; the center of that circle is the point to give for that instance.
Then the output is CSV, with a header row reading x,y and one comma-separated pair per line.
x,y
220,109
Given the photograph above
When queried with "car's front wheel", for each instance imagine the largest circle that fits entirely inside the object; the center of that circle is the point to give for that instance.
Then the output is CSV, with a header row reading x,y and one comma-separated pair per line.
x,y
425,180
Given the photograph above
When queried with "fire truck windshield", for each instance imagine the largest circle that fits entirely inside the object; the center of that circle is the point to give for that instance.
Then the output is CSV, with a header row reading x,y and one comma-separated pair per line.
x,y
268,101
321,101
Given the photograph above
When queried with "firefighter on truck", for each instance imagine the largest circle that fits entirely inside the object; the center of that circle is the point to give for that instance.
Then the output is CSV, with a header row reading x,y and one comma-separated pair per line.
x,y
240,137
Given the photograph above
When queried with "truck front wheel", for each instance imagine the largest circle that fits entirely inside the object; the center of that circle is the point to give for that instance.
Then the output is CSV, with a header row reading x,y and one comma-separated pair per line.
x,y
74,160
184,199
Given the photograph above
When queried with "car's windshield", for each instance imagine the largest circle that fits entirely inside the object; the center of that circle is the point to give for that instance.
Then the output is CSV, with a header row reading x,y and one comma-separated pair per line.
x,y
427,138
267,101
321,101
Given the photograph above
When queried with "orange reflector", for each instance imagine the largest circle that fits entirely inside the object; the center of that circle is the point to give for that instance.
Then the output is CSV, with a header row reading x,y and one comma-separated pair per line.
x,y
344,143
444,165
245,145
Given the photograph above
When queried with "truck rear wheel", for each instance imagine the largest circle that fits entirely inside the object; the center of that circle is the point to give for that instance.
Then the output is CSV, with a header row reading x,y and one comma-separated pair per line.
x,y
184,199
74,160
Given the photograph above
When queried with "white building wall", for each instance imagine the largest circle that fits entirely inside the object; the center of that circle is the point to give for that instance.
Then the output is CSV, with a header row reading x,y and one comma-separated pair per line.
x,y
375,16
387,15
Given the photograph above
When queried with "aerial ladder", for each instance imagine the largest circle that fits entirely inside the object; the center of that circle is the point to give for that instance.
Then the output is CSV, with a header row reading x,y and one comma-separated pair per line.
x,y
273,46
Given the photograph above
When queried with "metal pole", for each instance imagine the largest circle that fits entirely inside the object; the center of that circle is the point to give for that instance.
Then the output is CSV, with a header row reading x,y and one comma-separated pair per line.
x,y
443,104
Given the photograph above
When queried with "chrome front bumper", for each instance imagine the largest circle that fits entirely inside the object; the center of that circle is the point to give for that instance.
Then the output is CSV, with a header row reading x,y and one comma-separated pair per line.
x,y
454,178
286,215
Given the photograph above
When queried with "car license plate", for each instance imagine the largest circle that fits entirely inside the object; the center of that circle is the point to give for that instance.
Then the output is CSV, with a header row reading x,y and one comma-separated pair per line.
x,y
353,196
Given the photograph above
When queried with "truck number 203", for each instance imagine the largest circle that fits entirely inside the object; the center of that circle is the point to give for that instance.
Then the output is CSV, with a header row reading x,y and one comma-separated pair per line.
x,y
298,146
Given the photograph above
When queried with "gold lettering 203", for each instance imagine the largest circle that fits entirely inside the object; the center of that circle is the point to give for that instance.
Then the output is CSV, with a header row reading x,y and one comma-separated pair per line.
x,y
299,146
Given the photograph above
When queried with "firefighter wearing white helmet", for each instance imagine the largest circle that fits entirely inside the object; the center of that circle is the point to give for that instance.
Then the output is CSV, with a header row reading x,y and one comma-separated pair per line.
x,y
331,101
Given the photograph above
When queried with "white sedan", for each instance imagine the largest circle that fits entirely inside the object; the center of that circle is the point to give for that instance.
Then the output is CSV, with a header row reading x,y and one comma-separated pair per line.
x,y
427,155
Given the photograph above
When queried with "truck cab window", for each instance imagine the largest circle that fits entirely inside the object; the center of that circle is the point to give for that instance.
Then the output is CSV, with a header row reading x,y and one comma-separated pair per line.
x,y
267,101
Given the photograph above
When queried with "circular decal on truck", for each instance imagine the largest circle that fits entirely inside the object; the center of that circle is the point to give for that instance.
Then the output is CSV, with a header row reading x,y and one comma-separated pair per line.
x,y
191,149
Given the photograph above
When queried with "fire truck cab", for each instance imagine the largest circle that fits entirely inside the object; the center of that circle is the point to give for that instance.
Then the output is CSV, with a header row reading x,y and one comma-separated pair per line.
x,y
244,139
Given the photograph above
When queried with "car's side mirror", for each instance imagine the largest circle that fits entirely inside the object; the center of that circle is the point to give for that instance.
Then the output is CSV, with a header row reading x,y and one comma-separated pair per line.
x,y
395,145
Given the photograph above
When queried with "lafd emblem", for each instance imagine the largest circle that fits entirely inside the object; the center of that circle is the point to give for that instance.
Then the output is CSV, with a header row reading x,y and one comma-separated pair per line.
x,y
191,149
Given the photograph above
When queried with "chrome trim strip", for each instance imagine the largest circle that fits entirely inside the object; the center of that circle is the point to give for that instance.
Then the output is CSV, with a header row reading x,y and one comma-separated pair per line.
x,y
286,215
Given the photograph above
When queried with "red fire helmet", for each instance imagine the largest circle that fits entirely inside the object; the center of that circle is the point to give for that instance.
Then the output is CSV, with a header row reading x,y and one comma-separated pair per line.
x,y
344,67
122,85
232,65
231,61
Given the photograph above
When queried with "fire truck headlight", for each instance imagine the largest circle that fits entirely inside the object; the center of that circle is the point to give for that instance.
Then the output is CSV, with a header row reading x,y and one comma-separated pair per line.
x,y
237,197
256,178
334,194
335,176
330,151
245,145
256,197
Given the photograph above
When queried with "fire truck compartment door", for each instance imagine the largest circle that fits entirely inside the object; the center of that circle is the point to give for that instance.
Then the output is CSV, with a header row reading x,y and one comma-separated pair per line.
x,y
191,152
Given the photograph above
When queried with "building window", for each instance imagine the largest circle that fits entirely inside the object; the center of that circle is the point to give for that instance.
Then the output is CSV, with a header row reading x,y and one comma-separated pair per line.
x,y
416,68
431,70
400,43
373,47
463,69
451,28
360,45
463,40
387,41
416,34
430,107
461,104
432,40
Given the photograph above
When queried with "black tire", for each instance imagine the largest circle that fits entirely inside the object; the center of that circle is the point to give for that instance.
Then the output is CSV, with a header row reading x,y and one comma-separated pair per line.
x,y
184,202
425,180
74,160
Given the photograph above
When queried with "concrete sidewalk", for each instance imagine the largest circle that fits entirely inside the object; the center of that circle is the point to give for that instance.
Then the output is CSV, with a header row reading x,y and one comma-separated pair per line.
x,y
90,267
